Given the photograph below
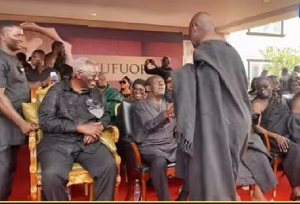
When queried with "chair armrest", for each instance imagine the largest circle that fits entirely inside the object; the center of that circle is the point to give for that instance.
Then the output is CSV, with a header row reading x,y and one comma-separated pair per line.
x,y
114,131
109,137
117,109
32,143
136,154
267,141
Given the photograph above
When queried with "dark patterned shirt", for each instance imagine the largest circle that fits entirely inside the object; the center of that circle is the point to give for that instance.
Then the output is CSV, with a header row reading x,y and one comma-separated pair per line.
x,y
62,110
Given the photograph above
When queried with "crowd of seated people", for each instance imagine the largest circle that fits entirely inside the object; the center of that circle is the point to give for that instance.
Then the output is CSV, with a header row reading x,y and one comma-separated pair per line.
x,y
154,124
277,111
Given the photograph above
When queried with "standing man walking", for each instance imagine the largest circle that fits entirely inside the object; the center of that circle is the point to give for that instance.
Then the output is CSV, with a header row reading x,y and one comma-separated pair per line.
x,y
213,114
14,90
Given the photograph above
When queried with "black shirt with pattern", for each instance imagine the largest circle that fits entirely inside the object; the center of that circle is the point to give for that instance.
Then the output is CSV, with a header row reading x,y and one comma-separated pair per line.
x,y
62,110
13,79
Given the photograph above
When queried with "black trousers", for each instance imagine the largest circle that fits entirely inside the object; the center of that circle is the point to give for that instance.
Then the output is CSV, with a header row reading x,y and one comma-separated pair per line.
x,y
56,167
158,168
8,166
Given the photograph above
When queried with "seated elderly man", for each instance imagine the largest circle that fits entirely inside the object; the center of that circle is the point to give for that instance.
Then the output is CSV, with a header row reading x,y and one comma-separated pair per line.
x,y
73,115
154,125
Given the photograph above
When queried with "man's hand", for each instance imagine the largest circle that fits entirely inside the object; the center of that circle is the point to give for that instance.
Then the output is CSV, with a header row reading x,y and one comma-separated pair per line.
x,y
91,129
169,113
27,127
150,61
89,139
283,142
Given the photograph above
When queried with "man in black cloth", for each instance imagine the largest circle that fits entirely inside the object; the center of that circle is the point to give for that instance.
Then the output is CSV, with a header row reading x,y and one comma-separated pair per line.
x,y
14,90
41,72
73,115
275,113
160,71
212,109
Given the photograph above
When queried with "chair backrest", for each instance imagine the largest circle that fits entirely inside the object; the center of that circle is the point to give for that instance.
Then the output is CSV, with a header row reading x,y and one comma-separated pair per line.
x,y
127,117
131,152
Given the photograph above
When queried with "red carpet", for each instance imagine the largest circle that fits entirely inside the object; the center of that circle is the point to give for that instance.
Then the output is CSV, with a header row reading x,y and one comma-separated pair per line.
x,y
21,186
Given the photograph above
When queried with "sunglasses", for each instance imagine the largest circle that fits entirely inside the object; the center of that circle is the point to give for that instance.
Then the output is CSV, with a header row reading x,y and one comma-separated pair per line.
x,y
169,81
122,82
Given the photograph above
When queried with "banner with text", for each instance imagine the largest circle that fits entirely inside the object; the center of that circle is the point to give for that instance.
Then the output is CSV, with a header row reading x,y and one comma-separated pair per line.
x,y
116,67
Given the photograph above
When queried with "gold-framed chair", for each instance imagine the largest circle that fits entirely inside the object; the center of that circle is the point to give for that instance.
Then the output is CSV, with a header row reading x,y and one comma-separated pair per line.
x,y
276,159
78,175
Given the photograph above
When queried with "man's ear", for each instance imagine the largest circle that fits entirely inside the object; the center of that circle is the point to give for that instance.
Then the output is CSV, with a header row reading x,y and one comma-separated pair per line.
x,y
2,36
78,75
194,27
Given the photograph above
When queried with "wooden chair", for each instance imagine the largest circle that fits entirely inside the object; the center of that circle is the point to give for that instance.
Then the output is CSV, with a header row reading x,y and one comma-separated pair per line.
x,y
276,161
78,174
136,169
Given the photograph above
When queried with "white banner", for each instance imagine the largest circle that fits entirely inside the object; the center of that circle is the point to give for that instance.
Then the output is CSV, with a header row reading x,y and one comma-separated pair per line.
x,y
116,67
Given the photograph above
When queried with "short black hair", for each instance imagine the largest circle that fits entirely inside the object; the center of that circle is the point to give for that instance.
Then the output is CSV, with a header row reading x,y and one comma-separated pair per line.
x,y
285,70
21,56
138,81
40,52
56,44
7,23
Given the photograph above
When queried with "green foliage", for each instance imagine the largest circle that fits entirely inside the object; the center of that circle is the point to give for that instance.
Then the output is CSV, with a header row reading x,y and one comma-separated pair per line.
x,y
280,58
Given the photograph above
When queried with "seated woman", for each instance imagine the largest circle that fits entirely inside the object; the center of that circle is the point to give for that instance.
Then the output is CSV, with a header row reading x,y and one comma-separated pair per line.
x,y
138,94
275,112
138,90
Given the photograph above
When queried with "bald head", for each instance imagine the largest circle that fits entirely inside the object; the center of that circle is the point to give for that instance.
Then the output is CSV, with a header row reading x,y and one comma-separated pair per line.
x,y
200,27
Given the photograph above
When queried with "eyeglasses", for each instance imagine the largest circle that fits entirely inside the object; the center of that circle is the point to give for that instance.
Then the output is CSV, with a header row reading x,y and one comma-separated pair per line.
x,y
169,81
138,90
122,82
94,75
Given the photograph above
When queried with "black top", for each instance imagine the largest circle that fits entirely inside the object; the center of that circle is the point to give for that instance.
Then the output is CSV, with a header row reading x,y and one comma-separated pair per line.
x,y
13,79
63,109
33,75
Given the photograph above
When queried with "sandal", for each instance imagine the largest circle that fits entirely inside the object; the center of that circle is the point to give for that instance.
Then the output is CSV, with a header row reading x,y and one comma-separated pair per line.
x,y
295,197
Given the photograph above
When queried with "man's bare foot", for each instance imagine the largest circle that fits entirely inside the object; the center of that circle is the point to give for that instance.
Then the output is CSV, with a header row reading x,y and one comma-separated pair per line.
x,y
238,198
258,198
295,194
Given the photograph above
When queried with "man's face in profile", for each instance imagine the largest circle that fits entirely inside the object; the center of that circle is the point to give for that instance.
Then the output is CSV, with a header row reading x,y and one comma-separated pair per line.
x,y
89,76
13,37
